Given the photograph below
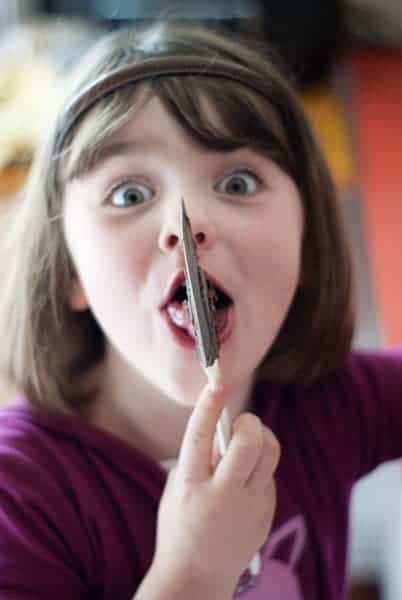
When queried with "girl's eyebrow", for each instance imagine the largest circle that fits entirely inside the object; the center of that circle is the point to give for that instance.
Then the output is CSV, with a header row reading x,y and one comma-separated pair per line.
x,y
90,158
107,151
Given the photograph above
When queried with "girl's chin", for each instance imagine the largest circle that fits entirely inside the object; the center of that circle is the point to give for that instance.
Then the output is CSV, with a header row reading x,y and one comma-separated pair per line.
x,y
187,395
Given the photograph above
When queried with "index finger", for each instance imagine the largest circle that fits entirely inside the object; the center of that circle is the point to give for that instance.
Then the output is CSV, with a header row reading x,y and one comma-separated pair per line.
x,y
197,446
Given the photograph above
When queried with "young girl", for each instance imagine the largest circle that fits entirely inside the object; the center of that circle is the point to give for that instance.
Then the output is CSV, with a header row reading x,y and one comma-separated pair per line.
x,y
95,334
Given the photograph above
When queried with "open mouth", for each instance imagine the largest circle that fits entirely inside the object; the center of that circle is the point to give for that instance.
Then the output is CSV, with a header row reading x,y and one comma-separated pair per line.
x,y
179,315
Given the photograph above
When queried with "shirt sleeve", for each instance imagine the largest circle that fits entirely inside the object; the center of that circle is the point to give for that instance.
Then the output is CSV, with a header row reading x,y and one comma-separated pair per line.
x,y
372,390
42,551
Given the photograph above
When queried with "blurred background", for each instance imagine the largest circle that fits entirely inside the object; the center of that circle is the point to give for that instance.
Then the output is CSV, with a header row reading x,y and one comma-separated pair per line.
x,y
345,57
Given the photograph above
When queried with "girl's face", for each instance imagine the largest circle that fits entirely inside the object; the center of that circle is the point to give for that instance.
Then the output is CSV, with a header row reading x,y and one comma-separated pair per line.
x,y
121,222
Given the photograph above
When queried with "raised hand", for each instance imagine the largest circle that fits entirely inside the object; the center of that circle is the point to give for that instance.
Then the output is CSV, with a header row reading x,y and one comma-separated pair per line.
x,y
212,520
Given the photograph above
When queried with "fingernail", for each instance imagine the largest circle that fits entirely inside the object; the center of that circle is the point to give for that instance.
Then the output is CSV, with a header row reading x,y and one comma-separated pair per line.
x,y
216,388
213,386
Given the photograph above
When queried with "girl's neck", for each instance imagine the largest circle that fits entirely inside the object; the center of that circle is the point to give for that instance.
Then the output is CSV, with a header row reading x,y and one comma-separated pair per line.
x,y
140,414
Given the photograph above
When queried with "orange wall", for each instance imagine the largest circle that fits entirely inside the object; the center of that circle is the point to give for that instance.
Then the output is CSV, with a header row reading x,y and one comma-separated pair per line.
x,y
376,79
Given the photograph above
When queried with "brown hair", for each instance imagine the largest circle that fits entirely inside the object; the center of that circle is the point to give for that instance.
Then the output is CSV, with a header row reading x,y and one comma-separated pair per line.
x,y
46,346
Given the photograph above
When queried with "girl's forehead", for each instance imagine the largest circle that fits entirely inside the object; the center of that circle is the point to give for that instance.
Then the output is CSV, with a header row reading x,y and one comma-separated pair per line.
x,y
139,128
144,125
150,128
153,132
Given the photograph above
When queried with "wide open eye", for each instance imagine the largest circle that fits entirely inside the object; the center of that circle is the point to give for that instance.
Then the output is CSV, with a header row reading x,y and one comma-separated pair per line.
x,y
239,183
130,194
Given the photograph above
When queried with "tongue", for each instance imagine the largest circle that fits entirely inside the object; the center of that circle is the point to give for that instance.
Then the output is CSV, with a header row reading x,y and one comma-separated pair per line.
x,y
180,316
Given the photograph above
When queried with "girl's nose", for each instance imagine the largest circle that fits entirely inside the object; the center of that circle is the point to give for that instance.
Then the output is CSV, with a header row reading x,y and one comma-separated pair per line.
x,y
204,233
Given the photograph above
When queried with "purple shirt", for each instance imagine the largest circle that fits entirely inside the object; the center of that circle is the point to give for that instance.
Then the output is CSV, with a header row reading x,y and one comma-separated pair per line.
x,y
78,506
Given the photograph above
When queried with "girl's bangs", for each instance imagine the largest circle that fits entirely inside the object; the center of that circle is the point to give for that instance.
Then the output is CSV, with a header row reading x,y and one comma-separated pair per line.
x,y
223,115
84,144
220,115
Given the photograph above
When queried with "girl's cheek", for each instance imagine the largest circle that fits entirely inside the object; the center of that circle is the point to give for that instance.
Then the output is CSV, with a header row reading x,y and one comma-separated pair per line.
x,y
136,255
140,267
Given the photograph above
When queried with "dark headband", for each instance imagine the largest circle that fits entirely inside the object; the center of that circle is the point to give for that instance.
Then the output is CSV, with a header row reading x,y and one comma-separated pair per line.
x,y
151,68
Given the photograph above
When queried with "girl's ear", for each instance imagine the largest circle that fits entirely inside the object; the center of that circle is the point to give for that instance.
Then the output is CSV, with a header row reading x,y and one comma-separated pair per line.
x,y
77,297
